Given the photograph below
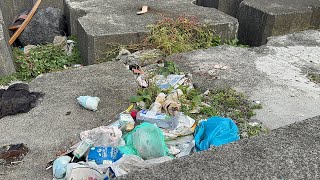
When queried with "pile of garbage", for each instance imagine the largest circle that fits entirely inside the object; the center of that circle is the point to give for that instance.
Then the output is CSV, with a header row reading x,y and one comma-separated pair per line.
x,y
141,137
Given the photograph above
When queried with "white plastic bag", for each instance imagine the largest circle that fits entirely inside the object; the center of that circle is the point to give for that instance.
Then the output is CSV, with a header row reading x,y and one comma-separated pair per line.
x,y
104,136
130,163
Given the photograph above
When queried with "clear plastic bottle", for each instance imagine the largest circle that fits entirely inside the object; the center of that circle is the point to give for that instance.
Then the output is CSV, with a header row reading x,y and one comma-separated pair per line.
x,y
162,120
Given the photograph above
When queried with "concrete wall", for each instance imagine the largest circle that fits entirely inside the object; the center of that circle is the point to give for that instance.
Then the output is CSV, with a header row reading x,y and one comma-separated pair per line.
x,y
229,7
6,61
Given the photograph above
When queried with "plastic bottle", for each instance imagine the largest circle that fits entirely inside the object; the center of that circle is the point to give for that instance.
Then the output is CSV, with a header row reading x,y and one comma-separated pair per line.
x,y
162,120
82,148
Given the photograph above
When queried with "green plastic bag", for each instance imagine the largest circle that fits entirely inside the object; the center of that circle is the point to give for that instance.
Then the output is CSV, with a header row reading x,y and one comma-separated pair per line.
x,y
146,141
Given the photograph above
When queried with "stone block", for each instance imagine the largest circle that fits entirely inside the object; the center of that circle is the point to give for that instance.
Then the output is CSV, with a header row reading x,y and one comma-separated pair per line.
x,y
260,19
229,7
6,59
98,23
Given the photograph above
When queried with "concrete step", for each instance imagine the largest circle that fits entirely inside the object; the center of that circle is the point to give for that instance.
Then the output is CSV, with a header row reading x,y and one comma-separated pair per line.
x,y
290,152
100,23
260,19
47,130
274,74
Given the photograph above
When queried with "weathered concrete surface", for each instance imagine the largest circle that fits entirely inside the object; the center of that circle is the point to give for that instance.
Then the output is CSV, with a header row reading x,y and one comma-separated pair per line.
x,y
47,129
290,152
51,3
100,23
260,19
274,74
6,63
12,8
227,6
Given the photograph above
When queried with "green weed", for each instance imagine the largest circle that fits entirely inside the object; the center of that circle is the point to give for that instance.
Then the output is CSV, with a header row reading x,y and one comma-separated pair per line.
x,y
314,77
181,35
169,68
41,59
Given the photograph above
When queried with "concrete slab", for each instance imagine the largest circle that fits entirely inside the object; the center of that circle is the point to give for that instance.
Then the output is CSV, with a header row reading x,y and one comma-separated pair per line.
x,y
47,129
260,19
6,60
100,23
290,152
274,74
227,6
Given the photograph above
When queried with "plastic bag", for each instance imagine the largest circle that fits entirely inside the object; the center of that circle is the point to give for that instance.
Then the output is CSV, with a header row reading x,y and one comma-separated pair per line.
x,y
162,120
89,102
130,163
146,141
60,166
77,171
186,126
104,136
215,131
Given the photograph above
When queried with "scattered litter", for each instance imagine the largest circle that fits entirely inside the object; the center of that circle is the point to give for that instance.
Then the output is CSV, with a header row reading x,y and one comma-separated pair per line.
x,y
257,102
153,133
143,10
142,81
215,131
253,123
169,81
70,46
11,154
89,102
26,49
77,65
17,99
162,120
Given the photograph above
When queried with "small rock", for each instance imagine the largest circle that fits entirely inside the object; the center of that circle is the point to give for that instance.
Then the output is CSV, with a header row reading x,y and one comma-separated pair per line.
x,y
212,72
217,66
145,57
123,56
60,41
28,48
44,26
225,67
244,135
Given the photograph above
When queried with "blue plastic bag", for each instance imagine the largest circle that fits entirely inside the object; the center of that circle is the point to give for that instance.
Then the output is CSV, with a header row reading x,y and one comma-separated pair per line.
x,y
215,131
